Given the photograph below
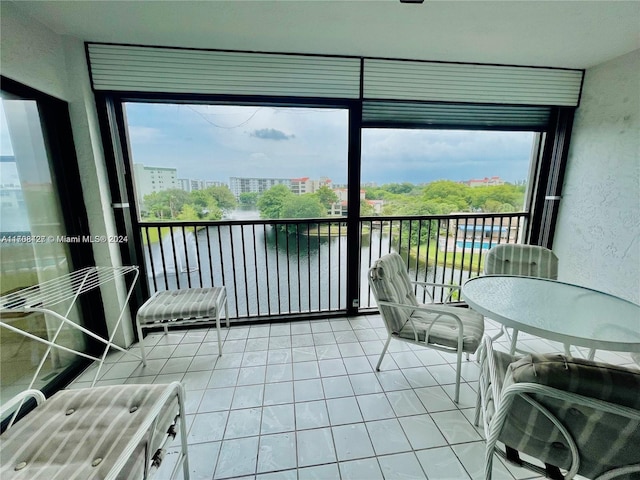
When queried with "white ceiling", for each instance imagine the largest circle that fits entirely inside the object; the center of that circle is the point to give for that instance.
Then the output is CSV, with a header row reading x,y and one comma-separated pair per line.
x,y
575,34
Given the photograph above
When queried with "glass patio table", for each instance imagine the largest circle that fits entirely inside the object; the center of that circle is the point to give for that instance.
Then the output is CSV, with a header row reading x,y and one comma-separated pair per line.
x,y
558,311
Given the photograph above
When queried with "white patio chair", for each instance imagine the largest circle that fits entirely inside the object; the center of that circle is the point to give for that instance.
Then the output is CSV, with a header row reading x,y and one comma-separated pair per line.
x,y
441,327
522,260
573,416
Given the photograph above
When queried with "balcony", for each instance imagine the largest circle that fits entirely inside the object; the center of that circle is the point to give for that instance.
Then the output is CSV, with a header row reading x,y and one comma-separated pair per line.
x,y
287,268
301,400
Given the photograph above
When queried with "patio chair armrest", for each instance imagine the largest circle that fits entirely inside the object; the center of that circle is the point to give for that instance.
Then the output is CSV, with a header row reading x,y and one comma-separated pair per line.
x,y
451,288
14,404
434,284
440,311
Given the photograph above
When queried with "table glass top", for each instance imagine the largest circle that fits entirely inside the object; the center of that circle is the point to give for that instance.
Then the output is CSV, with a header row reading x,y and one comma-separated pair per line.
x,y
556,310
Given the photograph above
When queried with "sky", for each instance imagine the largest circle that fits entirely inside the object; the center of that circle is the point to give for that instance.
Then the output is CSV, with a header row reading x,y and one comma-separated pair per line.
x,y
207,142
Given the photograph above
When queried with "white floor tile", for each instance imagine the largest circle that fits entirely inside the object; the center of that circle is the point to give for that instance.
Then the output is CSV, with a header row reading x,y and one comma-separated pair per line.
x,y
254,359
216,399
343,410
435,399
278,393
455,427
247,396
392,380
224,378
277,452
419,377
243,423
308,390
202,461
335,387
352,442
405,402
321,472
315,447
375,407
207,427
364,383
403,466
367,468
237,457
442,463
355,365
422,432
280,372
278,419
387,437
277,356
311,415
305,370
332,368
251,375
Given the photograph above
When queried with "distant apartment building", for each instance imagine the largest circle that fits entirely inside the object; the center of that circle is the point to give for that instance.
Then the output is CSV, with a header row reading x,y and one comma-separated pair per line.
x,y
240,185
484,182
303,185
189,185
341,206
153,179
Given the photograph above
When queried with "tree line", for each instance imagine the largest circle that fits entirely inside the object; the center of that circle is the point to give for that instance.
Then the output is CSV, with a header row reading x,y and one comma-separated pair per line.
x,y
440,197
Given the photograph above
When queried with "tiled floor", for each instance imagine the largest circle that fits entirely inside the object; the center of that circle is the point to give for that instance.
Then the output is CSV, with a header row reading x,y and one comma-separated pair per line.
x,y
302,400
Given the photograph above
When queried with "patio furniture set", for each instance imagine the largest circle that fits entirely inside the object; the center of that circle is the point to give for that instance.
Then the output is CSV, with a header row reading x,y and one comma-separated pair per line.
x,y
573,414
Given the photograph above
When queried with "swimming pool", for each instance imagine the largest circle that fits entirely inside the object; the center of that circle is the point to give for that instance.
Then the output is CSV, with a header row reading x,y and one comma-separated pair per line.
x,y
475,244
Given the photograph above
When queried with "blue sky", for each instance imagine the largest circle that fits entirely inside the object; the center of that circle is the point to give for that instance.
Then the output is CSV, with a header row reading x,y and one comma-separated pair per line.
x,y
207,142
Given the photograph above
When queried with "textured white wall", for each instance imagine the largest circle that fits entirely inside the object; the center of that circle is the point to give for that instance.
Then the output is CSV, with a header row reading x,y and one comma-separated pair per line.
x,y
36,56
598,233
31,53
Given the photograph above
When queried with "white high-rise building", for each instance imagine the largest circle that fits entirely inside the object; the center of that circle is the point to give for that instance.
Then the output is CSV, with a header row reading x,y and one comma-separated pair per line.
x,y
153,179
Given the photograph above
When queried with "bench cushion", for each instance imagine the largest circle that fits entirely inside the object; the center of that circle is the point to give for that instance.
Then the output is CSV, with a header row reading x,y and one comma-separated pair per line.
x,y
85,433
180,304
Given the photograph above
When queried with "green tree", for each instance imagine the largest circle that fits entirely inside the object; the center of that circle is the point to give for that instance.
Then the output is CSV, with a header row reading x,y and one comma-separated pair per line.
x,y
326,196
223,196
271,201
188,212
167,204
302,206
454,194
249,198
366,210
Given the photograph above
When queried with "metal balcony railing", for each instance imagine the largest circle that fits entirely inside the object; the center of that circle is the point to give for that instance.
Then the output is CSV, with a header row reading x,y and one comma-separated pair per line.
x,y
276,268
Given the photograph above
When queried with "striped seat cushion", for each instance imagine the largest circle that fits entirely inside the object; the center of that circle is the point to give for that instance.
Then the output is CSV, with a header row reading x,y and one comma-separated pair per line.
x,y
523,260
84,434
180,304
444,331
604,440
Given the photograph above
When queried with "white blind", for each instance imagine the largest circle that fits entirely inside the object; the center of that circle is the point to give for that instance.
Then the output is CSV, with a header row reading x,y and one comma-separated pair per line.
x,y
401,114
173,70
470,83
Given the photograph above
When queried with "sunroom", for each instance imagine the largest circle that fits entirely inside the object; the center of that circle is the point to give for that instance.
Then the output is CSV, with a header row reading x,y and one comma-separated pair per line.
x,y
87,86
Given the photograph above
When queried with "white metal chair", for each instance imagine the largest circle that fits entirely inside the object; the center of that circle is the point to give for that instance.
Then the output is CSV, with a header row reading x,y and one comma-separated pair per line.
x,y
568,413
442,327
522,260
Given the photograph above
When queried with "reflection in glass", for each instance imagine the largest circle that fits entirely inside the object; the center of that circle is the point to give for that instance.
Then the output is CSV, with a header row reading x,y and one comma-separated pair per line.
x,y
33,245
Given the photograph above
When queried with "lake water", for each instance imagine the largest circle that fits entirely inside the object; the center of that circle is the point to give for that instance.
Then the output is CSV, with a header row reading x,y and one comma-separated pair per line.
x,y
269,272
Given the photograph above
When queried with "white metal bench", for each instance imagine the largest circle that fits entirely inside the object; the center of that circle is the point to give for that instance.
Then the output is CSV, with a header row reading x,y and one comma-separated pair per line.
x,y
111,432
171,308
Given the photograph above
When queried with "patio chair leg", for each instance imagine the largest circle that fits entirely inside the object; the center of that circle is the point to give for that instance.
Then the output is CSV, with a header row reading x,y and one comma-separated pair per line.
x,y
514,340
384,350
458,368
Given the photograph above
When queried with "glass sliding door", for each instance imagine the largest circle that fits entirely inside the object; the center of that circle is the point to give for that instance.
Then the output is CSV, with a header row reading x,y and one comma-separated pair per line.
x,y
32,249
